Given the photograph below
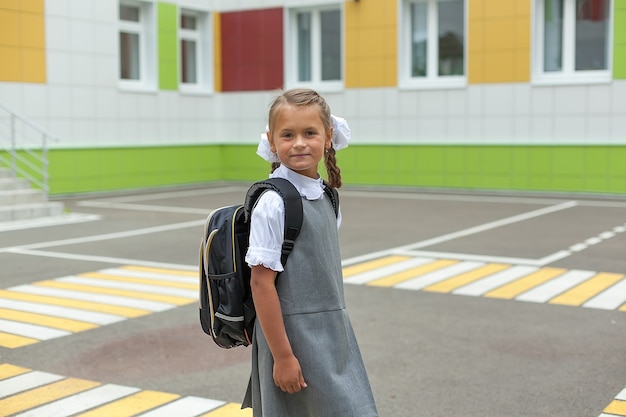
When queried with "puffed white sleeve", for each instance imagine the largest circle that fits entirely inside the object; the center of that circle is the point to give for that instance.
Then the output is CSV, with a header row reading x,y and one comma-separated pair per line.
x,y
267,227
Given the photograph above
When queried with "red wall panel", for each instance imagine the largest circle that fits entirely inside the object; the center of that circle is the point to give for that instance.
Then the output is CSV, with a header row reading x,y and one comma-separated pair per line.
x,y
252,50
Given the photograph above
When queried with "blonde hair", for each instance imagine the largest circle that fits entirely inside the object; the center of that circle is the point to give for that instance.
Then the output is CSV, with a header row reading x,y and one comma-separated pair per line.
x,y
308,97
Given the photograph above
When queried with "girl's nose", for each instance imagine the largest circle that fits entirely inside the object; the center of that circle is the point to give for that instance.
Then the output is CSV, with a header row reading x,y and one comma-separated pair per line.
x,y
299,141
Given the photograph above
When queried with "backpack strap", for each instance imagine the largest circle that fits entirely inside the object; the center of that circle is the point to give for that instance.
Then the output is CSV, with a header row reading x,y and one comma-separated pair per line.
x,y
293,209
333,195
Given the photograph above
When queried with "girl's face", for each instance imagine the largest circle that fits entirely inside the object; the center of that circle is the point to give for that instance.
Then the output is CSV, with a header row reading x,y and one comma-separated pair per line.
x,y
299,138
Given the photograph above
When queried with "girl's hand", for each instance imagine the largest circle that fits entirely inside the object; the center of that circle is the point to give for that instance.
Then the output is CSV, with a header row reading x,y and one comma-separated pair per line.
x,y
288,375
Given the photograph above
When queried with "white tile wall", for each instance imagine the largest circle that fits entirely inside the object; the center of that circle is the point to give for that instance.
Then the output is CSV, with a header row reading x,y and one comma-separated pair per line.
x,y
498,99
81,102
569,128
598,100
82,9
57,7
570,100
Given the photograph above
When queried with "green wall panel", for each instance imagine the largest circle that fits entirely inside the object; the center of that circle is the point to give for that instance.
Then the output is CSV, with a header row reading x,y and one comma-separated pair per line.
x,y
168,46
92,170
573,168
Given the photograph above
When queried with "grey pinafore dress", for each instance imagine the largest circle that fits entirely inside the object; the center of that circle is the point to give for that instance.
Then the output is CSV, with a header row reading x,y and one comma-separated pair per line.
x,y
319,330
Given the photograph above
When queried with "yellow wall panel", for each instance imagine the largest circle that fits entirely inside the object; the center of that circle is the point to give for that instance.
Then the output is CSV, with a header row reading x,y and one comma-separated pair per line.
x,y
499,41
499,34
9,28
522,66
476,40
22,41
499,67
10,4
217,52
522,8
33,6
32,30
499,8
371,43
522,33
475,69
10,68
33,65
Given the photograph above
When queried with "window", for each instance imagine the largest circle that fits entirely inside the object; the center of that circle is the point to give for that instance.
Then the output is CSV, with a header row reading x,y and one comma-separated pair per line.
x,y
195,51
136,46
433,43
572,39
315,52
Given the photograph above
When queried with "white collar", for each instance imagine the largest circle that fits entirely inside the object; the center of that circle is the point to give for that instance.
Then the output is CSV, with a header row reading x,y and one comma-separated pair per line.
x,y
310,188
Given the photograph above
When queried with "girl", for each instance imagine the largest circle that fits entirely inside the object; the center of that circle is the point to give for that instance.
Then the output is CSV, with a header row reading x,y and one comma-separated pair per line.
x,y
305,357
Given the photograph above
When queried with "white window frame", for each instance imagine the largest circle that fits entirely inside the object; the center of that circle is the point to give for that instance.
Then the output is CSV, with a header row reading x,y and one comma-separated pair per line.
x,y
202,35
432,80
568,75
146,29
291,49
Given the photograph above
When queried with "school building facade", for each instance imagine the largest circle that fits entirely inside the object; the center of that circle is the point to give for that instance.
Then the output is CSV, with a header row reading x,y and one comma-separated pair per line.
x,y
522,95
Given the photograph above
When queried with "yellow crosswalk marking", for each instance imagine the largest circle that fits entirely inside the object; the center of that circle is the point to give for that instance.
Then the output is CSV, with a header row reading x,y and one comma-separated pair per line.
x,y
229,410
515,288
12,341
623,308
82,305
616,407
453,283
8,370
368,266
161,270
186,285
394,279
43,395
47,321
112,291
132,405
586,290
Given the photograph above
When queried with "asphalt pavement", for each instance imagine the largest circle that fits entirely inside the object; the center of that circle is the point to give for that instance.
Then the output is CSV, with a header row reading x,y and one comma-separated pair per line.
x,y
463,304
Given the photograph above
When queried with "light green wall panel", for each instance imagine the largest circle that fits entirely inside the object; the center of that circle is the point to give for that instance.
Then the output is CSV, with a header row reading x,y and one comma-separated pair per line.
x,y
168,46
92,170
569,168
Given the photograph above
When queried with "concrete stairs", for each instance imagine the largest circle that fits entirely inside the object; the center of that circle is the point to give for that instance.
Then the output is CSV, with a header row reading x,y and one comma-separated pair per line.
x,y
18,201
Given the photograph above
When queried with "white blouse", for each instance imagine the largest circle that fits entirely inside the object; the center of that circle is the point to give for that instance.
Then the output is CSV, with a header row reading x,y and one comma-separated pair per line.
x,y
268,221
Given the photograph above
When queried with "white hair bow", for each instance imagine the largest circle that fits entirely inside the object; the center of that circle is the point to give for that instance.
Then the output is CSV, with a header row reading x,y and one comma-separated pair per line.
x,y
340,139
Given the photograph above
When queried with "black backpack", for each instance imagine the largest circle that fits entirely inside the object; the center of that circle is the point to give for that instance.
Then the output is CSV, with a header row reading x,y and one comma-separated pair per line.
x,y
226,308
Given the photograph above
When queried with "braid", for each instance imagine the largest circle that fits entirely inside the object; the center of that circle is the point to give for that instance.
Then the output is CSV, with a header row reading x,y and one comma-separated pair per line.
x,y
275,166
333,171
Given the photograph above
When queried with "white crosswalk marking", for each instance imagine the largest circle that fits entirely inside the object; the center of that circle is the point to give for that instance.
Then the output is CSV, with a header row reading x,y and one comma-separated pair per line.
x,y
80,402
439,275
61,306
66,312
496,280
153,306
185,407
610,299
30,330
130,286
25,382
369,276
556,286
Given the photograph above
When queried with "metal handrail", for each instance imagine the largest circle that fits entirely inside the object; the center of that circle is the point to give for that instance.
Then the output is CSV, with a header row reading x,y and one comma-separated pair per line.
x,y
25,159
